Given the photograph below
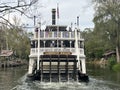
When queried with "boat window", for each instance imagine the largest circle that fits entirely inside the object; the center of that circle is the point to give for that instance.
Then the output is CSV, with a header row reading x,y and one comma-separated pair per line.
x,y
66,43
66,34
34,44
72,34
73,44
41,44
81,44
52,44
41,34
55,34
48,43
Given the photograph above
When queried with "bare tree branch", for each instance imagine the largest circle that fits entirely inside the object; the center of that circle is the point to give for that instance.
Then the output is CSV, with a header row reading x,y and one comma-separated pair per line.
x,y
10,8
6,24
7,7
6,20
21,6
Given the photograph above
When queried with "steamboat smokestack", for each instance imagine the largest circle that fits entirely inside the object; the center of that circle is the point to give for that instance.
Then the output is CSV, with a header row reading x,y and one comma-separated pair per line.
x,y
53,16
78,21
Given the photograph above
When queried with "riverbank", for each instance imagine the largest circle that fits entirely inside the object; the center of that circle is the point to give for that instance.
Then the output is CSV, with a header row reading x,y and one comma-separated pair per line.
x,y
13,63
98,62
111,64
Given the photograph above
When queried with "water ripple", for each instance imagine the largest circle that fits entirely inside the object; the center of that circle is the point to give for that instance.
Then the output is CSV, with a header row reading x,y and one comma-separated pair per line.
x,y
94,84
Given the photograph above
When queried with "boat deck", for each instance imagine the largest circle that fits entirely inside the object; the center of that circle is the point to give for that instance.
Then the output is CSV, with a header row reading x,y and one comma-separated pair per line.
x,y
58,63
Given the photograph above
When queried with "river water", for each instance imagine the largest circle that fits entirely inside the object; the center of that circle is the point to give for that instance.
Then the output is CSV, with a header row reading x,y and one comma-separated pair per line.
x,y
100,79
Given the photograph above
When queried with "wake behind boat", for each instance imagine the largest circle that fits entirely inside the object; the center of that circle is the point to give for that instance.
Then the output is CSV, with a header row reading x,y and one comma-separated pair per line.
x,y
57,54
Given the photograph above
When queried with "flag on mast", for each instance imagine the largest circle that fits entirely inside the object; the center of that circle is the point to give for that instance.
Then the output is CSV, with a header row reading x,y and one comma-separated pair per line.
x,y
57,10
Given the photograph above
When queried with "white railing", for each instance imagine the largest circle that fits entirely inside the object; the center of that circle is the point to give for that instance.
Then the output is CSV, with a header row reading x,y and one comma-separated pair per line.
x,y
34,51
55,34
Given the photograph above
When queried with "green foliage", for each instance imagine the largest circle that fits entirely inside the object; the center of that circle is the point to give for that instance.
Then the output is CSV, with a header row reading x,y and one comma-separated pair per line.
x,y
15,39
111,62
107,24
19,42
94,44
116,67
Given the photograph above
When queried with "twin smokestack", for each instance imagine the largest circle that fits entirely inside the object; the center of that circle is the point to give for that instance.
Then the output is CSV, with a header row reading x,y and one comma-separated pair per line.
x,y
53,16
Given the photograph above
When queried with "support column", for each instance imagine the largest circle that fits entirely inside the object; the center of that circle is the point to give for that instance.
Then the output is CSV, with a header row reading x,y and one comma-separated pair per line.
x,y
59,69
38,54
44,33
31,65
67,68
83,65
50,70
77,49
75,69
35,46
44,45
70,35
79,35
41,70
53,43
70,46
61,45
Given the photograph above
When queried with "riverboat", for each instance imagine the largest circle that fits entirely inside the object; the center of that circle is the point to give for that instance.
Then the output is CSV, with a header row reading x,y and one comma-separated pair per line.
x,y
57,54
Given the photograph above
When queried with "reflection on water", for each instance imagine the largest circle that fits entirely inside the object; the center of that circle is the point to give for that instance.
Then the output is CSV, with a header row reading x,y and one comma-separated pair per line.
x,y
103,73
92,85
9,77
100,79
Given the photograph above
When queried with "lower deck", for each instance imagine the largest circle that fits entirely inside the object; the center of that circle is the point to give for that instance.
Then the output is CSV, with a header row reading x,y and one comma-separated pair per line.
x,y
58,63
56,68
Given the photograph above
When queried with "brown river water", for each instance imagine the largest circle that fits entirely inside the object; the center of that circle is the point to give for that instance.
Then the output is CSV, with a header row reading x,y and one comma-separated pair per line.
x,y
101,78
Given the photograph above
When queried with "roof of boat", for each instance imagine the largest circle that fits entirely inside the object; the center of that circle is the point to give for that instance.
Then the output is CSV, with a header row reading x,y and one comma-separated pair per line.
x,y
56,27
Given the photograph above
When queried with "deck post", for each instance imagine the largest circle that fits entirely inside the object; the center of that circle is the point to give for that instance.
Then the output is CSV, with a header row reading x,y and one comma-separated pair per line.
x,y
74,71
59,69
50,70
67,68
41,69
83,66
31,65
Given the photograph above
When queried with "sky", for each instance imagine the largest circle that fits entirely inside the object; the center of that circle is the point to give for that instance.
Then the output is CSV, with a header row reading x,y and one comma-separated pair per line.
x,y
68,12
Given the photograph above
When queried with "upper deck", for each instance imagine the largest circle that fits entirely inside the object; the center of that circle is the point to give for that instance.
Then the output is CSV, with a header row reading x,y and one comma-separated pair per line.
x,y
61,35
57,41
55,32
56,38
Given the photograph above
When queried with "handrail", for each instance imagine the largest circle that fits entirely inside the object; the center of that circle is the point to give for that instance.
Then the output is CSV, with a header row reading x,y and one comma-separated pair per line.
x,y
53,34
72,50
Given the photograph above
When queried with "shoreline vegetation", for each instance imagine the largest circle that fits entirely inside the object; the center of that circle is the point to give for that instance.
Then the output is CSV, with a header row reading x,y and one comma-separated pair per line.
x,y
15,63
110,63
104,39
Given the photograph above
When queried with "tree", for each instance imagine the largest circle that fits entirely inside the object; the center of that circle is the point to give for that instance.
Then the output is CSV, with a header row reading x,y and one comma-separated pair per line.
x,y
15,39
93,44
11,35
107,22
21,6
